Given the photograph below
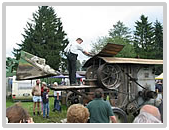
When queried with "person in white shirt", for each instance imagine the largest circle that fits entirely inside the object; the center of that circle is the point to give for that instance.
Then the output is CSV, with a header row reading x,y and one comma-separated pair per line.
x,y
57,96
72,53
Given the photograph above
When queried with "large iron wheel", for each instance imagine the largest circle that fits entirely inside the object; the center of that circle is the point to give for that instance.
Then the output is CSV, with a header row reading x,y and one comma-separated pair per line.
x,y
120,115
72,98
109,76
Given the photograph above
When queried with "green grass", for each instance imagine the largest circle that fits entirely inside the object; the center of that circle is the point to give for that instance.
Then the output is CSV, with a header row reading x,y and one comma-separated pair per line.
x,y
53,116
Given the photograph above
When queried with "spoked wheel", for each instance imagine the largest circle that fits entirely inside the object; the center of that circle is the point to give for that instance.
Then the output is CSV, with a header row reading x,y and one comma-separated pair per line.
x,y
121,116
91,72
109,76
72,98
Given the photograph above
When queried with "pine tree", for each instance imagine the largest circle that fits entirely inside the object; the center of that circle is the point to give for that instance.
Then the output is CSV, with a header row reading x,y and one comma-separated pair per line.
x,y
158,39
143,38
120,34
44,37
120,31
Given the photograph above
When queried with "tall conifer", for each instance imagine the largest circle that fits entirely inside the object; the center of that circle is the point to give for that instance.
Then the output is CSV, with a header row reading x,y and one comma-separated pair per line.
x,y
44,37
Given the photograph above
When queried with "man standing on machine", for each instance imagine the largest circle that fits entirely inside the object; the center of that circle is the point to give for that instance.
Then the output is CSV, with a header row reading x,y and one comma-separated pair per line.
x,y
72,53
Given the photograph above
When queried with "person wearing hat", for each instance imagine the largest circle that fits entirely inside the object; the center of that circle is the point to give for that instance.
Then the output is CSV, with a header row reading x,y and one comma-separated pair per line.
x,y
159,87
45,100
72,53
42,90
159,91
57,96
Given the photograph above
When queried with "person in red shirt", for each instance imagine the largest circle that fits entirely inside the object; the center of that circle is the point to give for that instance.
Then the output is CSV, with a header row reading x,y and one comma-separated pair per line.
x,y
42,90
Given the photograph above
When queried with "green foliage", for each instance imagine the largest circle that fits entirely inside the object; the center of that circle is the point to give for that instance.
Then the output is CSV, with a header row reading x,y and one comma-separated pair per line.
x,y
143,38
158,39
120,34
44,37
120,31
98,45
128,50
11,64
148,41
51,80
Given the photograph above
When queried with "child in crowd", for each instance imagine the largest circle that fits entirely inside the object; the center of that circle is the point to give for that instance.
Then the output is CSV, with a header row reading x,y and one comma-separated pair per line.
x,y
57,96
45,99
42,90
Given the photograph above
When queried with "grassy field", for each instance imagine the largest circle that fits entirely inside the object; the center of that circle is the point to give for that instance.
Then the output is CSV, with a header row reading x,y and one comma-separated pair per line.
x,y
53,116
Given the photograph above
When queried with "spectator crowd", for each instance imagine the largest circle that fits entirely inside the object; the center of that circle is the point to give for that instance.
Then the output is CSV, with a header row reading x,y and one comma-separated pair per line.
x,y
96,111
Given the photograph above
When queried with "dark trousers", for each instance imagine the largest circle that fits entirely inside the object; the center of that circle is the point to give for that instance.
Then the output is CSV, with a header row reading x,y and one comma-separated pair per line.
x,y
71,58
56,103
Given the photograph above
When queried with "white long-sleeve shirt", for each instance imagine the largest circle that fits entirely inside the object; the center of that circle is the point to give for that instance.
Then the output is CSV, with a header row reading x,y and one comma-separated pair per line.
x,y
74,48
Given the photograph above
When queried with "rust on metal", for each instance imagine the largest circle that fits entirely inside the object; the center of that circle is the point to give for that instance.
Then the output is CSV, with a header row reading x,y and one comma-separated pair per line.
x,y
131,60
110,50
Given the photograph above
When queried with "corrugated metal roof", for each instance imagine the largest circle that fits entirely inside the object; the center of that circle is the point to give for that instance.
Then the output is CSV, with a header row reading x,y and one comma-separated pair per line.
x,y
131,60
110,49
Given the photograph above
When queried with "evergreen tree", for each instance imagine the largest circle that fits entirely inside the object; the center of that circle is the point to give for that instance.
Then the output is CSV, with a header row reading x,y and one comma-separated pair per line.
x,y
143,38
10,66
120,31
44,37
121,34
158,39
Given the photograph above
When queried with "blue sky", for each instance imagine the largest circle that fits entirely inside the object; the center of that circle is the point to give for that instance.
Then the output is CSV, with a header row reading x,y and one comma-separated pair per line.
x,y
87,22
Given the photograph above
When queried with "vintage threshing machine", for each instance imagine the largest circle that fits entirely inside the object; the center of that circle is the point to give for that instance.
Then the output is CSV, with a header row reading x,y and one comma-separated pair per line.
x,y
128,83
